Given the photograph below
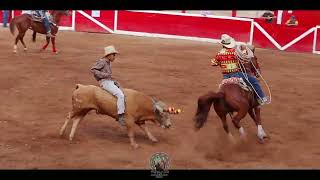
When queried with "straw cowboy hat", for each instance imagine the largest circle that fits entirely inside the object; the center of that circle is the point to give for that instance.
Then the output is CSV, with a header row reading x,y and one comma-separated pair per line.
x,y
227,41
110,50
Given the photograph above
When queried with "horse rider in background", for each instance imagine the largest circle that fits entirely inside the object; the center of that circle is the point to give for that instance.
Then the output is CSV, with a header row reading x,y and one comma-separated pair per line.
x,y
43,14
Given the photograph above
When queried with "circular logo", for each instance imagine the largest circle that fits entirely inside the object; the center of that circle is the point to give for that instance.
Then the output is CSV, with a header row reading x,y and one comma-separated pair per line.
x,y
159,162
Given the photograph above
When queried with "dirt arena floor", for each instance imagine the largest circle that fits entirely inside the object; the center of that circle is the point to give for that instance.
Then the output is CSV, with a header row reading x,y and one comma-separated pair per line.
x,y
36,93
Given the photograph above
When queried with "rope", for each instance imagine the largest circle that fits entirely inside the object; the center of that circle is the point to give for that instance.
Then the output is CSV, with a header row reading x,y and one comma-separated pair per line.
x,y
242,58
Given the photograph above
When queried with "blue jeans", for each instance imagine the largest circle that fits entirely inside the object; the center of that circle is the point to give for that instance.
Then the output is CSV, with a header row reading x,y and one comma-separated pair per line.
x,y
5,17
255,83
237,74
109,86
252,80
46,23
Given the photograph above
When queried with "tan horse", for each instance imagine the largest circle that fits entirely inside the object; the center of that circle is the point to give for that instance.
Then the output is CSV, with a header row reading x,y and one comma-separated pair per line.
x,y
139,109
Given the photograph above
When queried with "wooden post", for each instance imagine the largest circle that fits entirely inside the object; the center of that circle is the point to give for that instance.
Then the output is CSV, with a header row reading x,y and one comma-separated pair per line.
x,y
234,13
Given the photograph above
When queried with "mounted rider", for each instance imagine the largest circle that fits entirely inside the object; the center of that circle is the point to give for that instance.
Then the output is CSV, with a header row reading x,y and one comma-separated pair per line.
x,y
44,14
103,74
229,63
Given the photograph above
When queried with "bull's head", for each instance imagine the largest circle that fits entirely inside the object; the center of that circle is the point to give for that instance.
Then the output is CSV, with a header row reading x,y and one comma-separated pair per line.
x,y
162,116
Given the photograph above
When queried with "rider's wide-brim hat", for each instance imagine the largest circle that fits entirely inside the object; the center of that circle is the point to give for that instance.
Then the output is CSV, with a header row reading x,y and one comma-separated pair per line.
x,y
227,41
110,50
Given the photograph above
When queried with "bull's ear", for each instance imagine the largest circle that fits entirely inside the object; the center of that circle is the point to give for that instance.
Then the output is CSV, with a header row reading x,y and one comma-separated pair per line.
x,y
159,109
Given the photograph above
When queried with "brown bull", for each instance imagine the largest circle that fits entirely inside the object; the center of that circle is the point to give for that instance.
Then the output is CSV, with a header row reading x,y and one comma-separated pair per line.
x,y
139,109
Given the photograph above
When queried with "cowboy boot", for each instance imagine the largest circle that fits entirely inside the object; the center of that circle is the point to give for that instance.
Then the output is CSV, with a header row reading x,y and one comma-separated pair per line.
x,y
121,119
266,100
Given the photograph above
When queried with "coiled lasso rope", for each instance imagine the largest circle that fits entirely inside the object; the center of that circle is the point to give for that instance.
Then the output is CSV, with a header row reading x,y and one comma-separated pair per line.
x,y
248,57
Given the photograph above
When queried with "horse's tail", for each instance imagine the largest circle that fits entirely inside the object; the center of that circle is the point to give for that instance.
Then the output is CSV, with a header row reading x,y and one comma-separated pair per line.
x,y
34,36
12,26
204,105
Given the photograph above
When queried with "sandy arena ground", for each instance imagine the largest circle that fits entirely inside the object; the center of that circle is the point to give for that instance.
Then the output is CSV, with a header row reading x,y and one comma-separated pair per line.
x,y
36,97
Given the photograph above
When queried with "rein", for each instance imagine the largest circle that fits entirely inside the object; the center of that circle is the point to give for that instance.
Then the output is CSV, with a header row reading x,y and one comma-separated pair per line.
x,y
244,58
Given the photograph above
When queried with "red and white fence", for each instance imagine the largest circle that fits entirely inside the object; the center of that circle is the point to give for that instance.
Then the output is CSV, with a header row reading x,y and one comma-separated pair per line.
x,y
316,40
194,27
182,26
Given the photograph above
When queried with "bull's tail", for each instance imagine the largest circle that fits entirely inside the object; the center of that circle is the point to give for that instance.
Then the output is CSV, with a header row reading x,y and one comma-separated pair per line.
x,y
204,105
75,102
12,26
75,92
80,107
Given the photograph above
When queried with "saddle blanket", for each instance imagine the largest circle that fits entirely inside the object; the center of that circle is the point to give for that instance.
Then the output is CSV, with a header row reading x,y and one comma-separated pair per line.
x,y
37,18
235,80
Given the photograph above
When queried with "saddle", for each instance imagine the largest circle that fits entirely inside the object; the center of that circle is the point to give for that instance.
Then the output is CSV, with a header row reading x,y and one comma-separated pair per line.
x,y
235,80
36,18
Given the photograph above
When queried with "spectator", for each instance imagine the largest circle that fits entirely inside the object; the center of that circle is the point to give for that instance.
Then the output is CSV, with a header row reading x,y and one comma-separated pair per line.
x,y
5,17
269,16
292,21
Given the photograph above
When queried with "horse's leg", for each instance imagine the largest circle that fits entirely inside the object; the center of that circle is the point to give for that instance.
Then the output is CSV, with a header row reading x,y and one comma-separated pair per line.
x,y
15,47
148,133
237,118
252,115
46,45
63,128
225,126
261,134
53,41
21,39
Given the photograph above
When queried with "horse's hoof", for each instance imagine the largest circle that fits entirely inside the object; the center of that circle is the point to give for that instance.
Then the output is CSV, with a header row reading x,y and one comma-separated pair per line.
x,y
243,137
154,140
61,134
135,146
261,141
231,139
14,51
265,136
56,52
196,129
25,49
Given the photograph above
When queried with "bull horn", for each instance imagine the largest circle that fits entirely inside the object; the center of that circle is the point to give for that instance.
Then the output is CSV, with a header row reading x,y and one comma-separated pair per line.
x,y
178,111
169,109
159,108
